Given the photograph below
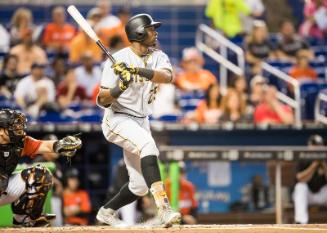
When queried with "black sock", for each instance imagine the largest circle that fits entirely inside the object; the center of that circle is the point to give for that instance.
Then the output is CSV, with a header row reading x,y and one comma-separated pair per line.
x,y
150,169
124,197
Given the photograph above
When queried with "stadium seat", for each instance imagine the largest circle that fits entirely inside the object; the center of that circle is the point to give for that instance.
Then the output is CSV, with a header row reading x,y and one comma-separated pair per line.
x,y
9,104
323,105
54,117
170,118
75,107
91,117
189,101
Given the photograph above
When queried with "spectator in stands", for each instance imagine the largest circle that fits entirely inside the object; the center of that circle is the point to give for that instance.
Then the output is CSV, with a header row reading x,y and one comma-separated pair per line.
x,y
106,34
208,111
315,23
21,21
35,91
277,11
28,52
116,43
9,76
194,77
225,15
5,39
58,70
82,40
311,186
290,43
88,75
257,46
258,84
95,93
186,200
77,204
271,111
58,33
239,84
257,10
233,108
68,91
108,20
94,15
302,70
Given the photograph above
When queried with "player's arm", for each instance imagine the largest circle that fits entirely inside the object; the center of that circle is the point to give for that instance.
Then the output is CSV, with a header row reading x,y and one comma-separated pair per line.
x,y
46,149
163,75
105,98
157,75
306,175
107,95
115,80
66,146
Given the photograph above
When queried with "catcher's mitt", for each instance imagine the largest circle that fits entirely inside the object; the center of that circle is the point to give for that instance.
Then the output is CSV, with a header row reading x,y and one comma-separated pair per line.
x,y
68,145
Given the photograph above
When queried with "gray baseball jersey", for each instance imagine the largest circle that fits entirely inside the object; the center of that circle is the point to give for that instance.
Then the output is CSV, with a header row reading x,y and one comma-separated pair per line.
x,y
137,100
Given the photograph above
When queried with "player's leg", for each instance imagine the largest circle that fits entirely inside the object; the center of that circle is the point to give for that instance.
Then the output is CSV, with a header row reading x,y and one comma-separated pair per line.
x,y
319,198
131,191
134,137
16,187
129,213
151,173
301,202
28,207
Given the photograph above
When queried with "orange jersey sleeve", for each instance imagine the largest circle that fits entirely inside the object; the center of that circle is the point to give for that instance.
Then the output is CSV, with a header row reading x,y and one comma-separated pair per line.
x,y
85,202
31,147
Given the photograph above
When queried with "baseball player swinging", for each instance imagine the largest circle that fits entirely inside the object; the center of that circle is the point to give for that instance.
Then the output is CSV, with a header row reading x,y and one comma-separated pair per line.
x,y
27,190
127,92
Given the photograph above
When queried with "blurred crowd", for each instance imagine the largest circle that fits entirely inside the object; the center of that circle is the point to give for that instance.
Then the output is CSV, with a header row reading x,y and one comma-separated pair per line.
x,y
56,67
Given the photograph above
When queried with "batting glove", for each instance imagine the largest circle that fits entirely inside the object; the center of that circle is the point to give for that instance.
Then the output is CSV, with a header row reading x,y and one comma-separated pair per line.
x,y
119,67
125,78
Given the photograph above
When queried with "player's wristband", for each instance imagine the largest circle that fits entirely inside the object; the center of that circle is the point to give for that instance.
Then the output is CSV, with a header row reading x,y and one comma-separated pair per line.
x,y
116,92
146,73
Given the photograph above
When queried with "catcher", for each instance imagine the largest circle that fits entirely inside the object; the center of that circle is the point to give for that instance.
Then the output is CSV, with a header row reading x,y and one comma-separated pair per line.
x,y
27,190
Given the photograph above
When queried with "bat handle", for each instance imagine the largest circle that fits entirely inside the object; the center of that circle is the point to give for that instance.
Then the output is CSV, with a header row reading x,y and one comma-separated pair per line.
x,y
104,49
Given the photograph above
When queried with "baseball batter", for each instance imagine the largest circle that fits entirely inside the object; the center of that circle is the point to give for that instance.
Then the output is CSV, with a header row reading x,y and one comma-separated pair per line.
x,y
27,190
127,92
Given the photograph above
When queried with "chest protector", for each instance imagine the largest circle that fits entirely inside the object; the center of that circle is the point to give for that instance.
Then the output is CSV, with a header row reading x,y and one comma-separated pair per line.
x,y
9,157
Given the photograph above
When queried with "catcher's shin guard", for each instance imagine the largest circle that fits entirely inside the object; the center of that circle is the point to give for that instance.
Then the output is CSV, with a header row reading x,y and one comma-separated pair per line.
x,y
38,182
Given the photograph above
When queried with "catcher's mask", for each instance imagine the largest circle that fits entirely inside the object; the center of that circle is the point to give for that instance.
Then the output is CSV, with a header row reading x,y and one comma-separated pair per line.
x,y
14,122
136,27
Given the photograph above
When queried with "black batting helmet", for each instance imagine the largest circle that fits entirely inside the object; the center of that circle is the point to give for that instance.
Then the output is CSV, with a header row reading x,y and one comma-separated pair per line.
x,y
14,122
135,27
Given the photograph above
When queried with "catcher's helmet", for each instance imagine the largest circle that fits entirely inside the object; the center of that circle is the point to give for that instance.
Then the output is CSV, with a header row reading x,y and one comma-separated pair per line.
x,y
135,27
14,122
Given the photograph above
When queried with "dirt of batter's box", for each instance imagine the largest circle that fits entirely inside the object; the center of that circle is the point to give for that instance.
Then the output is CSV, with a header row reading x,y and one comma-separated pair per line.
x,y
310,228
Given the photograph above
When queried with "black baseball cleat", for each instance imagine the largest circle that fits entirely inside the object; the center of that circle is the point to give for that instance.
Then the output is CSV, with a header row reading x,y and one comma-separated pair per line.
x,y
42,221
